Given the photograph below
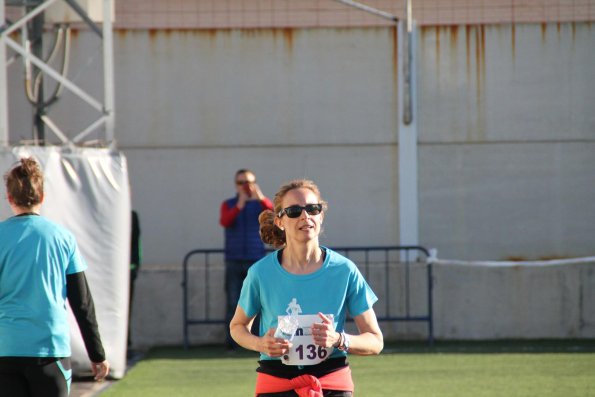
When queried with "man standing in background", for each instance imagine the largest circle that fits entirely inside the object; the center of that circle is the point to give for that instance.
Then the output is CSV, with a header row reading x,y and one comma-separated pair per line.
x,y
243,246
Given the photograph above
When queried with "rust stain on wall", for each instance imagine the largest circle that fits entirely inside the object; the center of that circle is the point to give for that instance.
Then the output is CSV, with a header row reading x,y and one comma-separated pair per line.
x,y
468,49
288,37
153,33
475,69
211,33
438,47
287,34
122,33
454,49
543,31
480,70
479,57
513,40
424,32
454,37
395,36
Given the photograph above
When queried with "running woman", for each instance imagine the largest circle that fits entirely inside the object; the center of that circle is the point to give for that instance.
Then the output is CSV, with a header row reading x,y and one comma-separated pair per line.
x,y
303,292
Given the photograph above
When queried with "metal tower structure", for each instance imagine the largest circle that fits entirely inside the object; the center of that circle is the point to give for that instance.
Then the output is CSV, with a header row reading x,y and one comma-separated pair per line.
x,y
30,23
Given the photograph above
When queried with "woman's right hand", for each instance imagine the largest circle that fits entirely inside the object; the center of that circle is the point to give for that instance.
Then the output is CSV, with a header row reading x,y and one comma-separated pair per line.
x,y
100,370
274,347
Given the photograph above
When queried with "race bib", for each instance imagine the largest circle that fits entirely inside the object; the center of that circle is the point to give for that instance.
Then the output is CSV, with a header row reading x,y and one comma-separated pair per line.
x,y
304,351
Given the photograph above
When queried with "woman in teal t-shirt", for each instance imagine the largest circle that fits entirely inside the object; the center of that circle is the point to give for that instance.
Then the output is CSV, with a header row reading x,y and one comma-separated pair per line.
x,y
303,292
40,269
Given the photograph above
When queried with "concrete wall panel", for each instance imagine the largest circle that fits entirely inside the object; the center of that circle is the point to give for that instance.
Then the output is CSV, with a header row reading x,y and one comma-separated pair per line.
x,y
264,87
512,83
507,201
511,302
178,192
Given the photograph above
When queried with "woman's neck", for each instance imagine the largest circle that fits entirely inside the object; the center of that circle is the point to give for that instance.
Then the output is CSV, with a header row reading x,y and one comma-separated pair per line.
x,y
19,211
302,259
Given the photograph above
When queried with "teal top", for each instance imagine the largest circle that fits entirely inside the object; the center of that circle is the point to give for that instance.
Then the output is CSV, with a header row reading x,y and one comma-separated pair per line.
x,y
36,254
336,288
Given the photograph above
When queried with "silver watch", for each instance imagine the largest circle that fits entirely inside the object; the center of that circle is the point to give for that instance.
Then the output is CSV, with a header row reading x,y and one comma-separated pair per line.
x,y
344,346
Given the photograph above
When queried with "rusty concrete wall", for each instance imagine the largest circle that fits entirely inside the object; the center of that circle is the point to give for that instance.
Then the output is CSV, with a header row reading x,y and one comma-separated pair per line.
x,y
506,131
306,103
506,137
506,83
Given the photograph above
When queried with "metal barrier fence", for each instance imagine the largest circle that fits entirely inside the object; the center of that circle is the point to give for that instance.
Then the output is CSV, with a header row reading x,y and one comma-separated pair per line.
x,y
389,270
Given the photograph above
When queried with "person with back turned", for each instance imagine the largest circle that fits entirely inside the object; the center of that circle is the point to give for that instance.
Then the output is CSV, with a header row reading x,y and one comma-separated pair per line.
x,y
41,267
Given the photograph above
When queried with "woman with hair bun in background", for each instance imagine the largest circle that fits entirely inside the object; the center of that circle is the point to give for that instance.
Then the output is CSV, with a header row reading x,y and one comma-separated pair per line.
x,y
40,268
303,292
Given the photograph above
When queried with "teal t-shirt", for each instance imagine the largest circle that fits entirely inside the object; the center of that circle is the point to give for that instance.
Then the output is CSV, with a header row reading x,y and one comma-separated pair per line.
x,y
336,288
36,254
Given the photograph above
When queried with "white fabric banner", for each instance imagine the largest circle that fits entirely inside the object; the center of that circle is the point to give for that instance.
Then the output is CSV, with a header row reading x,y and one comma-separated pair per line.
x,y
87,191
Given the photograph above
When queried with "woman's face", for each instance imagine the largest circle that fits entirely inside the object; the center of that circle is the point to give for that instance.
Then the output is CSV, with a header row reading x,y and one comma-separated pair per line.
x,y
305,227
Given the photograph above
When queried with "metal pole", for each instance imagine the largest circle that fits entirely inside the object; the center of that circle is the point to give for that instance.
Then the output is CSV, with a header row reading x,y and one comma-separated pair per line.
x,y
407,59
108,71
185,299
409,15
371,10
408,197
81,13
23,20
430,305
408,200
3,85
36,35
92,127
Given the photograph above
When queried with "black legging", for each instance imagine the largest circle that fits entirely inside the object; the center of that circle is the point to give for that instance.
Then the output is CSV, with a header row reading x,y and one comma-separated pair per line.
x,y
35,376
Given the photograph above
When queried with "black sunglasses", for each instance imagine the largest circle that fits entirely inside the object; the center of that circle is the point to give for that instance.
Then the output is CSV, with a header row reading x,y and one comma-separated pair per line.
x,y
295,210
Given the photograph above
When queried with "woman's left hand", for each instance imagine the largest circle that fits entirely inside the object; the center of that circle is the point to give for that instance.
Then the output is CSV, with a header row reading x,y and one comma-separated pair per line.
x,y
324,333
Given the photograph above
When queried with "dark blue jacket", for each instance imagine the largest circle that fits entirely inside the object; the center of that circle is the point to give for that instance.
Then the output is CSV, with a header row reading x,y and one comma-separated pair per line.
x,y
242,240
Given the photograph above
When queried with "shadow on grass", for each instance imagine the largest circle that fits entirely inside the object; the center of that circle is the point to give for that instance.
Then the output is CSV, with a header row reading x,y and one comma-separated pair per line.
x,y
399,347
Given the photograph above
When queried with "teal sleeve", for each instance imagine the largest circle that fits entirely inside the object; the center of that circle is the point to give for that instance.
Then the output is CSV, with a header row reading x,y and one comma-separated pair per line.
x,y
250,296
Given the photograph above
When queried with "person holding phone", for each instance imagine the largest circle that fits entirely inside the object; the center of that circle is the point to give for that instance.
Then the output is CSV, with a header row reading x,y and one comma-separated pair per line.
x,y
243,246
303,293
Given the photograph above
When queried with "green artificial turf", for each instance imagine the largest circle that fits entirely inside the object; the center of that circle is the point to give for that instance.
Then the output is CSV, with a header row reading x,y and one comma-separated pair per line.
x,y
486,369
